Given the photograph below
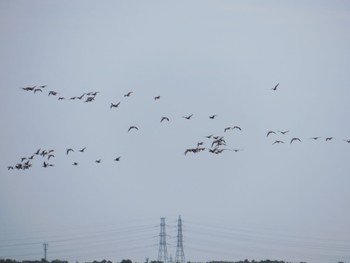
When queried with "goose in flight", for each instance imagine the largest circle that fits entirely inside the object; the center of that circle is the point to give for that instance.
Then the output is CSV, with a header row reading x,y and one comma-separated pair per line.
x,y
117,159
294,139
82,150
329,139
53,93
164,118
187,117
275,87
114,105
283,132
98,161
132,127
235,150
69,150
9,167
269,132
236,127
49,156
75,164
277,141
29,88
213,116
128,94
36,90
315,138
348,141
157,98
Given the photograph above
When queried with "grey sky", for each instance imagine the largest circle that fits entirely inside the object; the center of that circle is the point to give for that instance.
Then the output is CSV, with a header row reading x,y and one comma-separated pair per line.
x,y
288,202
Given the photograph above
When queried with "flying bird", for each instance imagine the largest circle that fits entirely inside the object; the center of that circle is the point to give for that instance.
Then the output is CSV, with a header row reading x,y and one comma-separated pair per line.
x,y
164,118
132,127
315,138
294,139
187,117
275,88
49,156
157,98
329,139
283,132
75,164
269,132
53,93
128,94
82,150
236,127
213,116
98,161
36,90
348,141
9,167
117,159
114,105
69,150
277,141
236,150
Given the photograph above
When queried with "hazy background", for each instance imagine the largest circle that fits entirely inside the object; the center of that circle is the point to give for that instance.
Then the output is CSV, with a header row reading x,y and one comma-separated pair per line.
x,y
287,202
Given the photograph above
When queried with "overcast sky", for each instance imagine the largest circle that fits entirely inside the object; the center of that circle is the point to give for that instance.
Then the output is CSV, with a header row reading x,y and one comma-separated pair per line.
x,y
268,201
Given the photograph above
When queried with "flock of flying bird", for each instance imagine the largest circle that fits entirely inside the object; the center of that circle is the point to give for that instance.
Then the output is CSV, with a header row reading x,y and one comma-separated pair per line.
x,y
217,143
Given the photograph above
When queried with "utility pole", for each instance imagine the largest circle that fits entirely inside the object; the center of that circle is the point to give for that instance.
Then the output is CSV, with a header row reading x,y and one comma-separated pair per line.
x,y
180,255
162,252
45,245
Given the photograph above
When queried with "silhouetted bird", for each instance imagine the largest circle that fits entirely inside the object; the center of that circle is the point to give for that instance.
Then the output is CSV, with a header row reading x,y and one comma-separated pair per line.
x,y
29,88
53,93
283,132
157,98
236,150
278,142
236,127
187,117
164,118
329,139
275,88
61,98
43,86
69,150
114,105
212,117
209,136
315,138
132,127
117,159
36,90
82,150
49,156
80,97
75,163
227,128
98,161
128,94
269,132
9,167
348,141
294,139
45,165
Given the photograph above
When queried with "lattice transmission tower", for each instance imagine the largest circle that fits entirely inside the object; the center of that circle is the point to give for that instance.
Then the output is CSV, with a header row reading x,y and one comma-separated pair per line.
x,y
162,252
180,255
